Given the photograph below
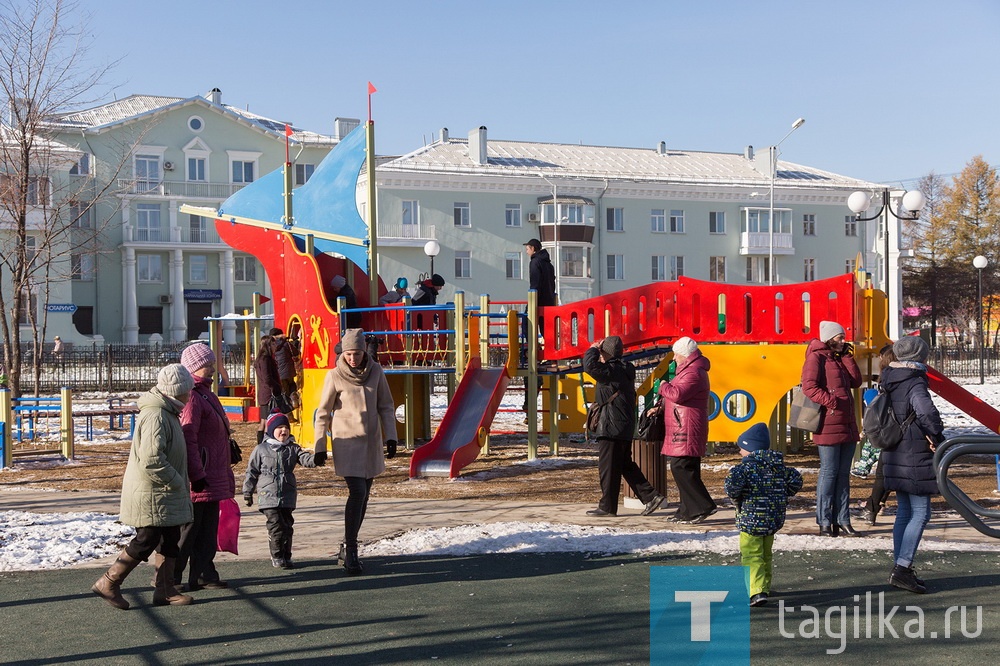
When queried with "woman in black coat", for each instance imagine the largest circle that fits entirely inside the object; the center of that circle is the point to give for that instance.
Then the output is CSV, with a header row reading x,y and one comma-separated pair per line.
x,y
909,468
268,381
615,379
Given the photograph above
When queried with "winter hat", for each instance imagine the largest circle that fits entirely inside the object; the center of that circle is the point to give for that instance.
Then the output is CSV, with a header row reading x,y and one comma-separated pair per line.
x,y
402,283
684,346
757,438
612,346
828,330
174,380
534,244
437,280
275,332
197,356
352,339
273,421
338,281
911,348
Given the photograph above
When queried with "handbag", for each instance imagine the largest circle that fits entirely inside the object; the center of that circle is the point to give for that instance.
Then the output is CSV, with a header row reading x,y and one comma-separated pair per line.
x,y
804,414
229,526
278,403
651,427
594,413
235,453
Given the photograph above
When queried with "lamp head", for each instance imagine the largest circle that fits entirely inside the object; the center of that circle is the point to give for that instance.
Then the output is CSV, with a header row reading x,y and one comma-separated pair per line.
x,y
798,123
859,202
980,262
432,248
914,201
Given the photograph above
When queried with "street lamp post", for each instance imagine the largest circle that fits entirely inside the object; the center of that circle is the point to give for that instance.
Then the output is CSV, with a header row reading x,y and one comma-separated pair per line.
x,y
913,202
773,159
979,263
432,248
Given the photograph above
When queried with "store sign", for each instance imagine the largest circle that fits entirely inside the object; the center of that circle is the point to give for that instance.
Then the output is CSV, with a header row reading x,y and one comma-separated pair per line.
x,y
60,307
202,294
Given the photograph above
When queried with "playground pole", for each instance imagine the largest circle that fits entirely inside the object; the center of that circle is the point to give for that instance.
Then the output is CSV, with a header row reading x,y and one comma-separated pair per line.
x,y
484,327
531,378
66,422
459,328
5,418
372,217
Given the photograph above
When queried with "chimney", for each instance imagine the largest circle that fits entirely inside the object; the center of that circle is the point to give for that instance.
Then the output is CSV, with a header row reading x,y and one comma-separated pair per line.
x,y
215,96
748,153
344,126
662,148
444,135
477,146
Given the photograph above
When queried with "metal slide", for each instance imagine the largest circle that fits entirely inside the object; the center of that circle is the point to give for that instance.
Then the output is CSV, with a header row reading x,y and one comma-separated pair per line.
x,y
465,425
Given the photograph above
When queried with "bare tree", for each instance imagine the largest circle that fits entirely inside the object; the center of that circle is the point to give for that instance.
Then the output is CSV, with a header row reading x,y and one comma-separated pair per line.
x,y
48,197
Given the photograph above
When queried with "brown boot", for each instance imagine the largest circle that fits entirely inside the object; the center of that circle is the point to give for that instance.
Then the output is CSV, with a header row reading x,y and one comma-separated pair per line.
x,y
165,593
108,586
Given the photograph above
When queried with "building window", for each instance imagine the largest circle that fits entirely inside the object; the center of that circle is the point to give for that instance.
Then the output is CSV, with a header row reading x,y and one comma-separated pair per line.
x,y
808,270
198,227
569,213
756,220
148,222
244,269
150,267
150,320
850,226
616,267
659,267
676,221
850,266
196,169
82,267
757,270
411,218
513,262
463,214
38,191
29,307
463,264
303,172
81,167
512,215
30,251
809,224
147,172
717,222
574,261
616,219
242,171
676,267
83,319
196,124
658,220
198,269
717,269
81,215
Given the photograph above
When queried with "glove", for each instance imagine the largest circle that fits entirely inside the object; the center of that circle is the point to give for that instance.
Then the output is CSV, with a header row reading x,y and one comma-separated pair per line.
x,y
848,349
390,448
248,499
320,458
200,485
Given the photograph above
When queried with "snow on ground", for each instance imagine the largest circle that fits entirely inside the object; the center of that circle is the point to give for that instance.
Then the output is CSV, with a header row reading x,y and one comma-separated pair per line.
x,y
55,540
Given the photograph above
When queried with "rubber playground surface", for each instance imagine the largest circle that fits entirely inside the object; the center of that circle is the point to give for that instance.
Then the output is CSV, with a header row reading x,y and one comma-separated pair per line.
x,y
563,608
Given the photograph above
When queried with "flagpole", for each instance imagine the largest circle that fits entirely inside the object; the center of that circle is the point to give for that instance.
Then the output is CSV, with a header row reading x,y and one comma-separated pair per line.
x,y
288,181
372,217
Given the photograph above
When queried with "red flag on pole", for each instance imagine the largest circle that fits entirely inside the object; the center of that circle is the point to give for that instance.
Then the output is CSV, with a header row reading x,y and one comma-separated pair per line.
x,y
288,133
371,89
264,299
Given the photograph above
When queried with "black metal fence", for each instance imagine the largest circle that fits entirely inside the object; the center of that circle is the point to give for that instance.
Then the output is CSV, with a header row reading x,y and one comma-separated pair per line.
x,y
115,367
964,362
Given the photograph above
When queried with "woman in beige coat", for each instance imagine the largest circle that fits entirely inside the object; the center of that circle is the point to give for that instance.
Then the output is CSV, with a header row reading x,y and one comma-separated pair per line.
x,y
155,497
357,410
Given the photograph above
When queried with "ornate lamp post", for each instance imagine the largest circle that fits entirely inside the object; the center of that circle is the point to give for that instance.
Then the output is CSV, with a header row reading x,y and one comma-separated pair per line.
x,y
432,248
979,263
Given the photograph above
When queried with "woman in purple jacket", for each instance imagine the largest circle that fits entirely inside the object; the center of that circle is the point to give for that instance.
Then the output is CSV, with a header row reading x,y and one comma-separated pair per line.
x,y
829,376
685,415
206,433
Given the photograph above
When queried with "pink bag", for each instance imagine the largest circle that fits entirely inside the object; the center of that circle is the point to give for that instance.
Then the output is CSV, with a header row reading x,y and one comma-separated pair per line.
x,y
229,526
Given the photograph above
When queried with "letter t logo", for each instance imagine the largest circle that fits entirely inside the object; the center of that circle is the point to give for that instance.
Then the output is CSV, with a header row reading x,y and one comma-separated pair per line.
x,y
701,610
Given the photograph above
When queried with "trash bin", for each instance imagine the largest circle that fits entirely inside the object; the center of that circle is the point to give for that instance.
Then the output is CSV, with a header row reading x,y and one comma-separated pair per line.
x,y
653,465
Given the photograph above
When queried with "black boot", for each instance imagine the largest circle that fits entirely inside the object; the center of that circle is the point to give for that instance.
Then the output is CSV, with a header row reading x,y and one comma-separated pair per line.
x,y
904,578
352,565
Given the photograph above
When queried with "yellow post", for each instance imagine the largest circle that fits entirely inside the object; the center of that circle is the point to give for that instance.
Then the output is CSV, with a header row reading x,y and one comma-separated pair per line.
x,y
554,395
460,332
513,344
5,418
408,411
484,327
531,378
66,422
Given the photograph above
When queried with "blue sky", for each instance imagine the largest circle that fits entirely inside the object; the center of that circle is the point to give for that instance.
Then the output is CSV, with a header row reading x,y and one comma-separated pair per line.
x,y
890,90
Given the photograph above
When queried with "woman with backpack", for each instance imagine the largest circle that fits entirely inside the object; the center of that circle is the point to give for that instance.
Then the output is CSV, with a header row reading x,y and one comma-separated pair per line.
x,y
909,467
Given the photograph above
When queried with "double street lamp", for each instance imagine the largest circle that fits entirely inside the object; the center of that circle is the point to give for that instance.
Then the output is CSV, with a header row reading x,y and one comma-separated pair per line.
x,y
913,201
979,263
773,159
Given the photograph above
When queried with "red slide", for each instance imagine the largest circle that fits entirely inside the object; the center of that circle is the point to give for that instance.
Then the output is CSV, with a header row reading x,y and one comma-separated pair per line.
x,y
967,402
457,440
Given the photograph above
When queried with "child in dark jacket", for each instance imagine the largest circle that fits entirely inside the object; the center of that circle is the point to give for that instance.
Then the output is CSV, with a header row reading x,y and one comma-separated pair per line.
x,y
760,485
270,473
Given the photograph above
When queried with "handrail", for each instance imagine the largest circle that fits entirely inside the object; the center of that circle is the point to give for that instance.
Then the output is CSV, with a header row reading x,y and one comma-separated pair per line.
x,y
966,507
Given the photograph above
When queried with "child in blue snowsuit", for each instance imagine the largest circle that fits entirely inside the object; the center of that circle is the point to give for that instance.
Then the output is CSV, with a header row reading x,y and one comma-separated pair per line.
x,y
760,484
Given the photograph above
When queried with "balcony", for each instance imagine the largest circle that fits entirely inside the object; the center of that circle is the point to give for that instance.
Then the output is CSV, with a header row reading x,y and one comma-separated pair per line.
x,y
397,234
178,188
759,243
170,235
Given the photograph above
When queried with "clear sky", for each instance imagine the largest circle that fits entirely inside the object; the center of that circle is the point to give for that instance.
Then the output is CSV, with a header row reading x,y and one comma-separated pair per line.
x,y
890,89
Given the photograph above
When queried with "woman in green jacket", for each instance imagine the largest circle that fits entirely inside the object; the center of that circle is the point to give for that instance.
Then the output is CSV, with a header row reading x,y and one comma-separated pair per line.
x,y
155,495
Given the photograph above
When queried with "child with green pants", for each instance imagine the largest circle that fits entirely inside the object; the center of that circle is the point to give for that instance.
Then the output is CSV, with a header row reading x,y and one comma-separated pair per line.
x,y
760,484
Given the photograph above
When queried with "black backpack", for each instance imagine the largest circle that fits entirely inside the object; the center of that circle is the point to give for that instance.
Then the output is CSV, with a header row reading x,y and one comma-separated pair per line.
x,y
881,427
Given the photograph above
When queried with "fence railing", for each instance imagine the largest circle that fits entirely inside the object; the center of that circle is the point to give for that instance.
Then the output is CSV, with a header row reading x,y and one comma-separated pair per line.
x,y
963,362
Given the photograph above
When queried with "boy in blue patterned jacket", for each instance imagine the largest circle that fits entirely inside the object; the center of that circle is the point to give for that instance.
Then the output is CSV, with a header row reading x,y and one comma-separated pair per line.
x,y
760,485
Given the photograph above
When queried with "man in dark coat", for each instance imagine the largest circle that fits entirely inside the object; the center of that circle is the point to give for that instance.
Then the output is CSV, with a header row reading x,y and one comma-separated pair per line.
x,y
284,358
909,468
615,389
541,273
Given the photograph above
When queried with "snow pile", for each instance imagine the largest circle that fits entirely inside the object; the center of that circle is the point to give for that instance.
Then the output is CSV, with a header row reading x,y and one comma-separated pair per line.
x,y
56,540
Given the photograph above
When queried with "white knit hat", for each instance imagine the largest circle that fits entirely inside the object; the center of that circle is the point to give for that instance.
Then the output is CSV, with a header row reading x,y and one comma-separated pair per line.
x,y
684,346
828,330
174,380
